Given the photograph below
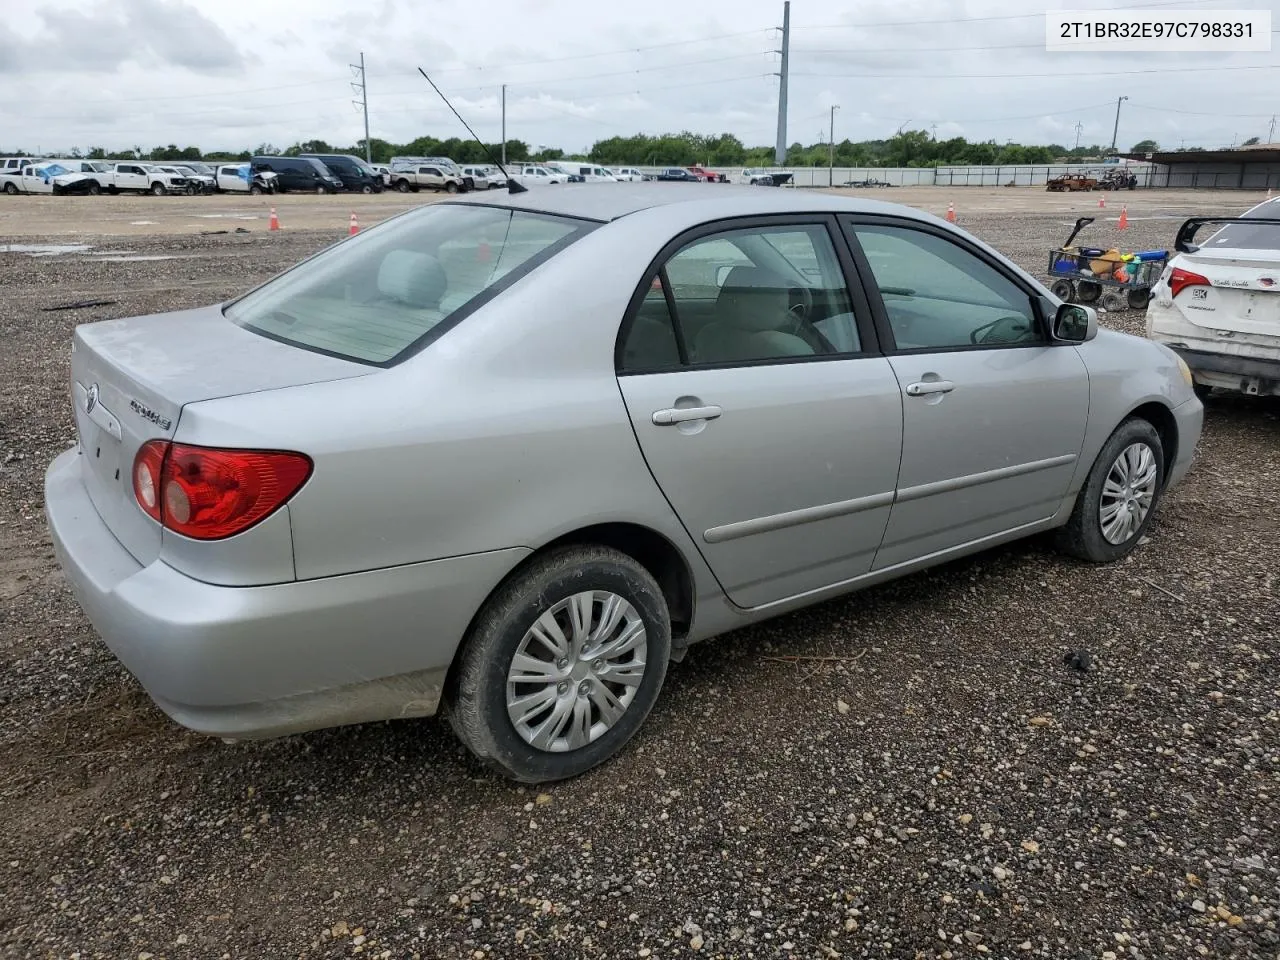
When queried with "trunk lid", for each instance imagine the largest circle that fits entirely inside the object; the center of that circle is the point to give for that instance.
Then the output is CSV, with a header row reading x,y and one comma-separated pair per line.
x,y
130,379
1244,296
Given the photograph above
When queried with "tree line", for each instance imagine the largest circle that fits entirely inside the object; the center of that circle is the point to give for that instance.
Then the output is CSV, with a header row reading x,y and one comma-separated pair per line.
x,y
908,148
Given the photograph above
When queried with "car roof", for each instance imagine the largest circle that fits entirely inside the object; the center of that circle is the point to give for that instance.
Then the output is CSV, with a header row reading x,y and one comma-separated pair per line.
x,y
603,202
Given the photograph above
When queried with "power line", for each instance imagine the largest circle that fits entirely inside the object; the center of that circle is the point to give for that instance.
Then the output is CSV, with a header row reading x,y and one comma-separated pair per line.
x,y
224,94
1201,113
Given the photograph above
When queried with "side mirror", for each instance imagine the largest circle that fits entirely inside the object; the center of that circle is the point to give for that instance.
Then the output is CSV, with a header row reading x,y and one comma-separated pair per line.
x,y
1074,323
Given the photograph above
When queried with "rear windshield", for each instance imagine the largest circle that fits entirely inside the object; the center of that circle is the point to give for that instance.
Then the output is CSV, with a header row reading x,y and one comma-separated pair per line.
x,y
386,292
1243,236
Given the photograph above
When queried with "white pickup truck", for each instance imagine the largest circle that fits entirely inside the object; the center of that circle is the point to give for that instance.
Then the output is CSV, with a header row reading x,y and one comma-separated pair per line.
x,y
135,177
47,177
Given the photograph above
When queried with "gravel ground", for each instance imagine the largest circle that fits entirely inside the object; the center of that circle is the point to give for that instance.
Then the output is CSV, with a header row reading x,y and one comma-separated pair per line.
x,y
942,784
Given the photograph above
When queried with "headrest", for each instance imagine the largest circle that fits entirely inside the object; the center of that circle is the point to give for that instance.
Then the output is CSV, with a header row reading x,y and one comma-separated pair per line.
x,y
413,278
753,298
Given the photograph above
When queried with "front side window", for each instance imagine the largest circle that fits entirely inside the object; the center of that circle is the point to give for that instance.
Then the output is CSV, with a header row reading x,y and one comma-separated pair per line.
x,y
758,294
378,295
938,295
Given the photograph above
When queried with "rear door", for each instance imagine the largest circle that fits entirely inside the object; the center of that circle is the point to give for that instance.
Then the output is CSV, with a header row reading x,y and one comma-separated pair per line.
x,y
751,375
993,412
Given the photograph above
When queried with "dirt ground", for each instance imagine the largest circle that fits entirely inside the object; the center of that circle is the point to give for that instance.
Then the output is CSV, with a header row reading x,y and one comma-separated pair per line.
x,y
941,785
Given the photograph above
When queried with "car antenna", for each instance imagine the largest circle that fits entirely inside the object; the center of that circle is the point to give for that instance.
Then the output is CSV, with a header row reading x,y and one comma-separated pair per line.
x,y
512,186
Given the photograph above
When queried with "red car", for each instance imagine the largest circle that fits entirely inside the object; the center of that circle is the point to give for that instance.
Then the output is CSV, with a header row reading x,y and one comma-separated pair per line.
x,y
704,174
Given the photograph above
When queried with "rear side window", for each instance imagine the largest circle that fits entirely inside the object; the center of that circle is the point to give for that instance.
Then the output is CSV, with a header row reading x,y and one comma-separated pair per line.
x,y
384,294
1244,236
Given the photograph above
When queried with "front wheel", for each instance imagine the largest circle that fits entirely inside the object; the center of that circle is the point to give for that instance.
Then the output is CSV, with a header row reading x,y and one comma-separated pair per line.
x,y
366,189
255,191
320,190
1115,504
158,190
562,665
95,189
450,187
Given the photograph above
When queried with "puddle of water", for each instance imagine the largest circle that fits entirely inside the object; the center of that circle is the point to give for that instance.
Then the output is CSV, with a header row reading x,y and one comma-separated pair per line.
x,y
142,223
250,217
210,216
44,249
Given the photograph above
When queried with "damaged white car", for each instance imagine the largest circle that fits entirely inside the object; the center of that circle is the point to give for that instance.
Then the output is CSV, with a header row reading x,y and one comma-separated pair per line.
x,y
1218,303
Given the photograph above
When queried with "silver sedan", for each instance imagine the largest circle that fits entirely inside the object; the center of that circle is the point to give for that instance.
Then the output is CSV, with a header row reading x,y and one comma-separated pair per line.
x,y
507,458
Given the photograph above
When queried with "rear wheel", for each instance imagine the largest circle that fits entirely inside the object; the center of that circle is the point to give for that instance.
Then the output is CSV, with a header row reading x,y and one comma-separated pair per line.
x,y
1087,291
402,186
562,665
1119,496
10,189
95,189
1138,299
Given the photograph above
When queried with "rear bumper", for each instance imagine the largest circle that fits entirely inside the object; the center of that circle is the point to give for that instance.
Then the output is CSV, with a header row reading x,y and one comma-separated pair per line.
x,y
1246,367
269,660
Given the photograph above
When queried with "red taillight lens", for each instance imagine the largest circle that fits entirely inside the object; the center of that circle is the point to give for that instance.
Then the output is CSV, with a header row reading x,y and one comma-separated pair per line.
x,y
1180,279
208,494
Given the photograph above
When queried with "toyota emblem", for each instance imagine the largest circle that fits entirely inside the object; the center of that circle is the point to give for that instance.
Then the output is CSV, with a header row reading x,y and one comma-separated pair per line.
x,y
91,400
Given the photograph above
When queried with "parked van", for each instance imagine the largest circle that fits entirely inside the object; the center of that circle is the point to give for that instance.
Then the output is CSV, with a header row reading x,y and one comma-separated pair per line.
x,y
355,174
302,174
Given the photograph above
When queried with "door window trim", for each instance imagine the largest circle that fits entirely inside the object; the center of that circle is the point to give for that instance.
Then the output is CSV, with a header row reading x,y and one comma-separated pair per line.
x,y
1035,299
850,273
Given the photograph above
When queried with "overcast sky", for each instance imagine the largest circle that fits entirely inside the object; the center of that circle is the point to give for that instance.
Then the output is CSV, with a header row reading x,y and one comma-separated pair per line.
x,y
232,75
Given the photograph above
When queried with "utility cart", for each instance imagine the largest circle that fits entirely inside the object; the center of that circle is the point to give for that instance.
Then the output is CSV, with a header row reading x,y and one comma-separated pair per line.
x,y
1106,277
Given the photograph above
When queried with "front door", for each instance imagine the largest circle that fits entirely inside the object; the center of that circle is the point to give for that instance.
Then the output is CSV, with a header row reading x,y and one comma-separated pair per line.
x,y
993,413
765,416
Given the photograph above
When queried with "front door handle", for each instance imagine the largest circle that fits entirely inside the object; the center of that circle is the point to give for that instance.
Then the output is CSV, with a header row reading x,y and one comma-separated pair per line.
x,y
926,387
674,415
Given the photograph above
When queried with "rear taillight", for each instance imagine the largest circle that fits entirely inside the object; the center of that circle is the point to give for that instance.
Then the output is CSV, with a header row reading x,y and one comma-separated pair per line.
x,y
208,494
1180,279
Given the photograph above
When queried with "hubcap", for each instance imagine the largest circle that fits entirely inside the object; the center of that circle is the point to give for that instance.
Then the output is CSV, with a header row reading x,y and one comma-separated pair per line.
x,y
576,671
1128,493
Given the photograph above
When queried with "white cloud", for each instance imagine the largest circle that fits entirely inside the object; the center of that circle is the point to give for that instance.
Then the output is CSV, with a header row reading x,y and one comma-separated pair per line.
x,y
233,75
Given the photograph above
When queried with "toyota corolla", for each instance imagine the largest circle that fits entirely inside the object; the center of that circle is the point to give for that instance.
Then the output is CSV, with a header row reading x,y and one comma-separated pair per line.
x,y
506,458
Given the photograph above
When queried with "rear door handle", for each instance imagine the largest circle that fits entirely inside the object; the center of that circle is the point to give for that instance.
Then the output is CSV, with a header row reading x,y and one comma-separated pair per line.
x,y
926,387
674,415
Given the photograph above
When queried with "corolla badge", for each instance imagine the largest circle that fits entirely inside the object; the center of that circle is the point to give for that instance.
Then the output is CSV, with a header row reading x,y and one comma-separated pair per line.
x,y
91,399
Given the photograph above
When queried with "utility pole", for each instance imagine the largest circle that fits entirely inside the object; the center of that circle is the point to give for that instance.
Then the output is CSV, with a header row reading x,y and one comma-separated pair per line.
x,y
504,126
1271,137
1116,129
831,157
364,104
1079,127
935,132
780,147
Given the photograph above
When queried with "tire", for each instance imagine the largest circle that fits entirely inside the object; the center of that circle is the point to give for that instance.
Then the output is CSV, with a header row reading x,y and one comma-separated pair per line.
x,y
1203,391
402,186
1064,290
1112,302
321,191
158,190
1138,299
1083,536
95,189
450,187
11,189
366,189
255,191
1087,291
477,701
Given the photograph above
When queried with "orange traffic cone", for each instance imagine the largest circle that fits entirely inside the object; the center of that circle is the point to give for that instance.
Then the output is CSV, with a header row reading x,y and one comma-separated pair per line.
x,y
951,213
1102,201
274,222
1124,218
355,227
